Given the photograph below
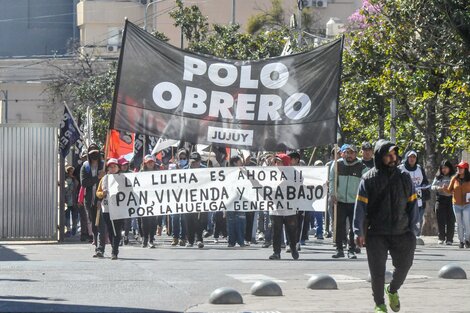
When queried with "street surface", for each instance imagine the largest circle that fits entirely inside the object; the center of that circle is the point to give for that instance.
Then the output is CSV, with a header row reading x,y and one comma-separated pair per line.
x,y
65,277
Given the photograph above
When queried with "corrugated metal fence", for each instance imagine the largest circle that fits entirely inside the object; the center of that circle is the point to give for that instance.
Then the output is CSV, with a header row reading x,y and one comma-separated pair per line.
x,y
28,182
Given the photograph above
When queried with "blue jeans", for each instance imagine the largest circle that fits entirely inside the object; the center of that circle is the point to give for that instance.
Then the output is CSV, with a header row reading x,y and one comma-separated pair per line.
x,y
462,216
236,224
178,227
267,226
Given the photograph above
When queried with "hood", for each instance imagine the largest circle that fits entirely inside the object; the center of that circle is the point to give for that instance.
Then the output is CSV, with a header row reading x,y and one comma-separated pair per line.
x,y
93,147
382,147
405,161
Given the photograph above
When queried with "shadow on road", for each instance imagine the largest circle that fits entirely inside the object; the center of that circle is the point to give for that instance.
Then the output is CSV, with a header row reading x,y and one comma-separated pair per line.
x,y
10,255
24,306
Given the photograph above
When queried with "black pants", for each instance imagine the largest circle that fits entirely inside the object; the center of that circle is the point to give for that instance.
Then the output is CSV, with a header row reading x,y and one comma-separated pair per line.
x,y
250,219
83,221
149,229
195,223
345,212
220,224
445,218
291,230
401,248
303,220
98,231
114,239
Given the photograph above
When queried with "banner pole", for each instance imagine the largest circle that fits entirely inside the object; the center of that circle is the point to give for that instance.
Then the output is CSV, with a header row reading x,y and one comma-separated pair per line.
x,y
335,204
311,157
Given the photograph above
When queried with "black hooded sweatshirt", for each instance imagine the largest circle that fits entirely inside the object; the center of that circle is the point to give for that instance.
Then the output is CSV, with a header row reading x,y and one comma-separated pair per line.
x,y
386,200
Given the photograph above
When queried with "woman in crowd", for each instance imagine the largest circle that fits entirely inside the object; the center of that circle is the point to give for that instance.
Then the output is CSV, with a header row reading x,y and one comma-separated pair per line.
x,y
459,187
149,223
113,227
443,207
236,220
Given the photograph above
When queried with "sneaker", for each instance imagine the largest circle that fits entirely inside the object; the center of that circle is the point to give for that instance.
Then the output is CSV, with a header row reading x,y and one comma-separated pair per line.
x,y
243,245
266,245
207,234
216,240
461,246
352,255
295,254
247,243
144,245
320,238
174,242
329,234
230,245
302,242
283,246
151,245
121,242
126,240
338,254
275,256
182,242
200,245
440,242
288,249
380,308
99,255
393,299
189,245
357,250
297,246
449,243
114,257
467,244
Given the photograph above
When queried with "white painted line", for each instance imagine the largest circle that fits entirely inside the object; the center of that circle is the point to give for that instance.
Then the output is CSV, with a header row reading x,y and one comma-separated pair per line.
x,y
343,278
252,278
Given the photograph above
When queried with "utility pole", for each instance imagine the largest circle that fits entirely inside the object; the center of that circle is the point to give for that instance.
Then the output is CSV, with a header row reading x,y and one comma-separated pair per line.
x,y
233,11
4,117
146,13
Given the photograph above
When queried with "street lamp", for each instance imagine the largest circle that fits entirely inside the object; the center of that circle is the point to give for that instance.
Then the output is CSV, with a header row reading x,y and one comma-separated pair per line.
x,y
146,12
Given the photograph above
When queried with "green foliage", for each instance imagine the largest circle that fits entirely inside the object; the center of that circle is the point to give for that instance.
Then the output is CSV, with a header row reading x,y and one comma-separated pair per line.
x,y
191,21
268,19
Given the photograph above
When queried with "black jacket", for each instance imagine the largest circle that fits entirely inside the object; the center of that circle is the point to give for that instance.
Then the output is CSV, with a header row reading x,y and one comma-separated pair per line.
x,y
386,199
88,181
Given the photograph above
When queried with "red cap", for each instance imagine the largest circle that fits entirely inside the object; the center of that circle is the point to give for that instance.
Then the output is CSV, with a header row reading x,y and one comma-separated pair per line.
x,y
112,161
463,164
122,161
284,158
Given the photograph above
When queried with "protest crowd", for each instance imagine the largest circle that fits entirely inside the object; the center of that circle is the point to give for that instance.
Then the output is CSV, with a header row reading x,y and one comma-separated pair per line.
x,y
86,190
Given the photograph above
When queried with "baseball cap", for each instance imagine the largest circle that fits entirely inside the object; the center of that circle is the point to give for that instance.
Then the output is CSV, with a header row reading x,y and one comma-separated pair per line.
x,y
149,158
463,164
122,161
366,146
350,147
112,161
195,156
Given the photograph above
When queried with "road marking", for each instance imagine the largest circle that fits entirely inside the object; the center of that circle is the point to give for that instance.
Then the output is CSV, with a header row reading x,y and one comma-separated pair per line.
x,y
343,278
252,278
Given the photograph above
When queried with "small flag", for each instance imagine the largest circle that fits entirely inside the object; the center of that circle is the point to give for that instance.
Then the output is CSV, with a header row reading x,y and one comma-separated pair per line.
x,y
69,132
120,143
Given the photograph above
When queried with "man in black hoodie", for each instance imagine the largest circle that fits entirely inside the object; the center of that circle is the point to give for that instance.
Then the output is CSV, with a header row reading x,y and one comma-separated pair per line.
x,y
385,218
90,174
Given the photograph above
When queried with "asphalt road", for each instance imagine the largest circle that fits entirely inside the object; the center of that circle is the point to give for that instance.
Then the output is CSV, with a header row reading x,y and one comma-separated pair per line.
x,y
65,278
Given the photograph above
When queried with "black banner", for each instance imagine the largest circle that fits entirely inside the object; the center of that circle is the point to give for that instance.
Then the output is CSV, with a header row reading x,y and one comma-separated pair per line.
x,y
280,103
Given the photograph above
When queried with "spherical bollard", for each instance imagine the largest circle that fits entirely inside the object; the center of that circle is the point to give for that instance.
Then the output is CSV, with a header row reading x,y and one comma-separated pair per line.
x,y
322,281
419,242
266,288
452,271
388,277
225,295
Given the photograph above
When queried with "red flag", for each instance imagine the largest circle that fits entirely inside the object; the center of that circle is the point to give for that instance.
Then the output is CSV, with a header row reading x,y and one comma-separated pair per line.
x,y
120,143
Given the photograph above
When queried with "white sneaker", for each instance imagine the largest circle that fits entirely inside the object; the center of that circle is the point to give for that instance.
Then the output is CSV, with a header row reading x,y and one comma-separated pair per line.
x,y
440,242
288,249
216,240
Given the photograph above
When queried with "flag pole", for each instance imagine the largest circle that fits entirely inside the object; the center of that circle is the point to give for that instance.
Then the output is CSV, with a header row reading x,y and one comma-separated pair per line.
x,y
335,204
311,157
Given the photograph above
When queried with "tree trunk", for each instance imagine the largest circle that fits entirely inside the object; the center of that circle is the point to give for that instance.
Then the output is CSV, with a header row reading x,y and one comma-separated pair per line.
x,y
381,116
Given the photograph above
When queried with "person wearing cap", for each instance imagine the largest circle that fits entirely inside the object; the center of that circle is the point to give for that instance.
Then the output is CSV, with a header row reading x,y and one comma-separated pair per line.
x,y
350,170
90,175
419,178
71,195
195,222
443,207
367,154
149,223
124,168
385,217
113,227
459,187
283,218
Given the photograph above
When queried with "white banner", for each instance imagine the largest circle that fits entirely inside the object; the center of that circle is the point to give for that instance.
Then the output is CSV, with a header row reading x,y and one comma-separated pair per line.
x,y
279,190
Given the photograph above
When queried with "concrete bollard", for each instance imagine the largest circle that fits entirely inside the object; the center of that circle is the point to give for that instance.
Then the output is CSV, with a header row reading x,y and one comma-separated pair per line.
x,y
322,281
452,271
388,277
266,288
225,295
